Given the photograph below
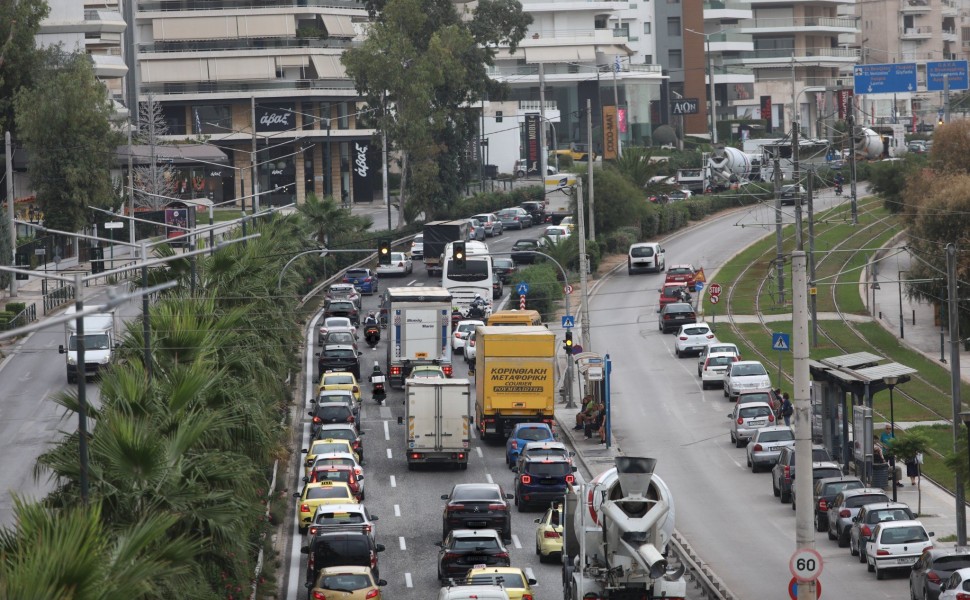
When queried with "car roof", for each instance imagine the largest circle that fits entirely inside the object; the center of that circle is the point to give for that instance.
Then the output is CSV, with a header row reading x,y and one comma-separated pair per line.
x,y
642,244
547,445
863,491
346,507
330,404
938,551
679,306
744,392
531,426
470,321
773,427
748,362
338,346
753,405
681,266
337,455
825,464
895,524
840,479
704,323
352,569
327,483
474,533
889,506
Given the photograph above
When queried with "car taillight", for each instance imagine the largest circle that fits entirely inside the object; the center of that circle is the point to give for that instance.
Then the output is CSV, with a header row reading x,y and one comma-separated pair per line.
x,y
526,596
450,556
707,362
757,448
866,531
526,479
415,456
373,559
740,421
313,531
683,337
501,555
570,479
317,420
787,472
497,507
882,552
515,445
932,576
350,418
823,505
454,507
962,596
447,369
666,317
357,471
355,390
844,514
710,336
304,508
771,418
356,445
395,370
318,595
551,534
373,593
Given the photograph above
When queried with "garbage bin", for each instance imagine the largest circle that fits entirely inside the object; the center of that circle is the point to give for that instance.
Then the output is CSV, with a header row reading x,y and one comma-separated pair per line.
x,y
880,475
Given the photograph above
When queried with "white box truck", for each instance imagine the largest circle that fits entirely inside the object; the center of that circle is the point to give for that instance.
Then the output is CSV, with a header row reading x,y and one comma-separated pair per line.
x,y
438,417
100,341
419,324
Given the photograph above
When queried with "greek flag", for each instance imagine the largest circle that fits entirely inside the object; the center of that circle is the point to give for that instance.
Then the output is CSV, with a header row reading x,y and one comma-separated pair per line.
x,y
616,64
198,122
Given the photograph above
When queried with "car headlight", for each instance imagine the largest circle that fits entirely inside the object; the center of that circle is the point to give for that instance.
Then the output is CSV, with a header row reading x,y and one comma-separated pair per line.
x,y
105,359
72,360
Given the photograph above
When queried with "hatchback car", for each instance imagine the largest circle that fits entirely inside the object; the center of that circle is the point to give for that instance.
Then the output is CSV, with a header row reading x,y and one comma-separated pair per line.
x,y
343,517
463,549
843,510
343,308
326,446
767,396
340,549
364,280
683,274
536,210
514,218
476,230
462,330
790,193
545,449
673,315
469,351
400,265
824,493
331,324
766,444
338,459
871,515
712,371
504,267
492,224
717,347
338,338
820,470
342,473
649,256
692,338
427,372
343,291
417,247
477,505
516,582
542,481
347,583
457,590
335,357
317,494
556,233
522,434
783,471
745,375
325,413
896,545
935,566
343,431
549,533
748,418
955,585
523,250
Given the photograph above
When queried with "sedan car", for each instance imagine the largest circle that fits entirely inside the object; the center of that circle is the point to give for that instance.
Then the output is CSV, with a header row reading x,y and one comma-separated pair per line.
x,y
319,494
673,315
417,247
347,583
556,233
790,193
683,274
504,267
712,371
515,581
462,331
343,291
522,434
745,375
493,226
933,567
339,380
692,339
514,218
748,418
342,473
846,506
338,338
523,250
364,280
896,545
549,533
477,505
343,308
766,445
463,549
343,517
476,230
536,210
331,324
400,265
824,493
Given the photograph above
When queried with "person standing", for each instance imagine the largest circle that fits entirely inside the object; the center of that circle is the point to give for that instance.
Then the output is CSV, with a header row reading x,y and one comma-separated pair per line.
x,y
787,410
912,469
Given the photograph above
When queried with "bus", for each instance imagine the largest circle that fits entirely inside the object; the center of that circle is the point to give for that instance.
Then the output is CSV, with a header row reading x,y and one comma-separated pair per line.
x,y
474,279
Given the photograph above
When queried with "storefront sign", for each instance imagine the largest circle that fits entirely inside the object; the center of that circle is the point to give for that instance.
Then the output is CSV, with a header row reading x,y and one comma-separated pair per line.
x,y
766,113
278,117
532,139
844,99
610,133
366,170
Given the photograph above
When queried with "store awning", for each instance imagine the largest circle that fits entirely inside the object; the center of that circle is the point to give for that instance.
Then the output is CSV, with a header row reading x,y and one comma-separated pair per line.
x,y
293,61
242,68
177,154
559,54
167,71
254,26
194,28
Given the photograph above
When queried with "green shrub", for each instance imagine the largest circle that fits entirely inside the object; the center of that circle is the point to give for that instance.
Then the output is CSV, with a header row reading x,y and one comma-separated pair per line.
x,y
545,290
698,209
5,318
565,162
15,307
620,240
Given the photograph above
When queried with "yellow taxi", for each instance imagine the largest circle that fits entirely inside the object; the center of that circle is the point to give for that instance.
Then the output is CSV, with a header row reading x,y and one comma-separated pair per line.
x,y
326,446
549,533
568,223
319,494
347,583
339,380
517,584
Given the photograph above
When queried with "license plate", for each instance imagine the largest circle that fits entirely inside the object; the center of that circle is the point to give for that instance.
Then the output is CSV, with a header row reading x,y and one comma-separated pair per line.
x,y
756,423
420,355
904,561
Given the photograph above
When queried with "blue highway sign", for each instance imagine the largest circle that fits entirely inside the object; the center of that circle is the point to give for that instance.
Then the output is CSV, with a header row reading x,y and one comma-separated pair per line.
x,y
522,288
885,78
781,342
698,286
568,321
955,70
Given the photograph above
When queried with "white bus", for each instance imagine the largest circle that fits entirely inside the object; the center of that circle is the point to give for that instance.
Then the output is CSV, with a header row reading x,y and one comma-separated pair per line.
x,y
475,279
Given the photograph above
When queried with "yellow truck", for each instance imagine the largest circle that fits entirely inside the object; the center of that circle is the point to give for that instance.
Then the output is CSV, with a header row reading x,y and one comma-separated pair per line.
x,y
515,373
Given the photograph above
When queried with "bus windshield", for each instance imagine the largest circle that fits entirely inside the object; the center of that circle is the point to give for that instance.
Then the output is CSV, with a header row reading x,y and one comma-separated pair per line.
x,y
474,270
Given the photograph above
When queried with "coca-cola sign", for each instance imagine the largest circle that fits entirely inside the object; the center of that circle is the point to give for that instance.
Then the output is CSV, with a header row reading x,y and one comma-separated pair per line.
x,y
366,170
277,117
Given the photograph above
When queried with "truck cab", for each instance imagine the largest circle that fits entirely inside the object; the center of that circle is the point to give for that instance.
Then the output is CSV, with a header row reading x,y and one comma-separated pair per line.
x,y
99,345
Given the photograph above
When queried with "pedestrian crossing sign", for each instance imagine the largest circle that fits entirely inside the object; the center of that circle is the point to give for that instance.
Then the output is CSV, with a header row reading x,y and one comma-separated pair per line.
x,y
568,321
781,342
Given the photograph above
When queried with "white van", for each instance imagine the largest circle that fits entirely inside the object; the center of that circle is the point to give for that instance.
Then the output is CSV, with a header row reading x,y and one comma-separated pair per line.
x,y
645,255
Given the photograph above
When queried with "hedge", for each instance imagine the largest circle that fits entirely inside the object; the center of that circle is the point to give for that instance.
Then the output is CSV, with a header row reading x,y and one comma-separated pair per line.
x,y
545,289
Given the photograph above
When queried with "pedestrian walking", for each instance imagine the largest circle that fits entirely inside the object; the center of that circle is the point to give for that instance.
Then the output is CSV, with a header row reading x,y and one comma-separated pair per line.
x,y
787,410
912,469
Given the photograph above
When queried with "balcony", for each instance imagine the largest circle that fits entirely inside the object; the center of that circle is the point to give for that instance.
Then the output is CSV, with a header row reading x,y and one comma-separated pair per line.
x,y
109,67
831,25
923,32
914,7
730,42
950,36
262,89
529,74
717,10
949,8
817,57
251,45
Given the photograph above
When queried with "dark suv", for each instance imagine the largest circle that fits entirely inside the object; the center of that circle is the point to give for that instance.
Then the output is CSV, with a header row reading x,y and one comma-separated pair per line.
x,y
673,315
783,473
477,506
340,548
824,493
339,357
536,210
541,481
343,308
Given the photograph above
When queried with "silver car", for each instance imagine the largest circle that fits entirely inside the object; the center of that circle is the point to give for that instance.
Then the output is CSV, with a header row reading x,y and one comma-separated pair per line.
x,y
745,375
476,230
846,506
747,419
493,226
766,445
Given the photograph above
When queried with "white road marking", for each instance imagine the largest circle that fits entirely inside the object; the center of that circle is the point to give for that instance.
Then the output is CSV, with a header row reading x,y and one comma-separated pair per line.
x,y
389,453
400,541
407,580
478,449
387,431
516,542
393,481
397,510
488,476
412,282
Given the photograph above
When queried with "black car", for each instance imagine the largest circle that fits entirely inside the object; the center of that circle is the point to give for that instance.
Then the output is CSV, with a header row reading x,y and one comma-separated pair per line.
x,y
522,250
675,314
497,289
824,493
541,481
338,549
464,549
343,308
536,210
791,193
477,506
330,413
783,473
337,357
504,267
935,566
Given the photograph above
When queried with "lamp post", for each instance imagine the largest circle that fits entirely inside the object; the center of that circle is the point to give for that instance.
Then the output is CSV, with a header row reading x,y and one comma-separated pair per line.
x,y
899,281
712,97
891,383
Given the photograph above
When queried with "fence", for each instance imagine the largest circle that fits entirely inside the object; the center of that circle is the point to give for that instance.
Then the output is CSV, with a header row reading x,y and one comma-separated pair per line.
x,y
26,316
61,294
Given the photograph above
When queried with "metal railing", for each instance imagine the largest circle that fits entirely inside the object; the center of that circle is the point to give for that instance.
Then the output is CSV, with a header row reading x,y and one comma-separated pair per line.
x,y
24,317
57,297
192,5
247,44
773,23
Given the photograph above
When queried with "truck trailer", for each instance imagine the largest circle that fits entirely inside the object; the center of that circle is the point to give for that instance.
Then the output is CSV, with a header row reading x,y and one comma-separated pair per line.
x,y
419,326
438,417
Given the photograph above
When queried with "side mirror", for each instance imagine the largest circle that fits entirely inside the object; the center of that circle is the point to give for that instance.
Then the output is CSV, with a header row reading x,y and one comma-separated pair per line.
x,y
309,412
305,550
306,480
359,354
572,454
61,350
509,496
381,583
942,586
574,469
438,544
379,547
730,416
296,494
316,354
312,400
444,496
304,451
537,521
375,518
931,534
400,421
532,581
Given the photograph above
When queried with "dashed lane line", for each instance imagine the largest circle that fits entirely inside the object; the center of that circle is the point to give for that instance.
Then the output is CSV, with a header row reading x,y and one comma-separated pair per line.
x,y
393,481
389,453
516,542
397,510
403,545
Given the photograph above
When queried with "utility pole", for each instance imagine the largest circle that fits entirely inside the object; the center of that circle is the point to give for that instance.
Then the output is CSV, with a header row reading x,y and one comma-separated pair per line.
x,y
616,103
798,185
954,308
811,255
710,84
589,172
804,529
384,186
131,183
255,179
10,213
82,380
779,240
852,165
946,98
542,127
583,279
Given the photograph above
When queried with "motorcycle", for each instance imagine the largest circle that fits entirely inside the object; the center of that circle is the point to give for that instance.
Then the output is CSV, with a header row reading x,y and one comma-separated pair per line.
x,y
377,388
372,335
838,189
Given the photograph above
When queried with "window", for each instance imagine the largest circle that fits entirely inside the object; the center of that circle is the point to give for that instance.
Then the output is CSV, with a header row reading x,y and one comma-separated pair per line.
x,y
647,27
675,59
174,117
648,59
325,115
212,118
673,26
343,116
498,116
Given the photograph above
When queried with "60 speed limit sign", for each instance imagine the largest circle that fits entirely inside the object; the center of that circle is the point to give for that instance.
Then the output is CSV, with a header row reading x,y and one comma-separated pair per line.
x,y
806,564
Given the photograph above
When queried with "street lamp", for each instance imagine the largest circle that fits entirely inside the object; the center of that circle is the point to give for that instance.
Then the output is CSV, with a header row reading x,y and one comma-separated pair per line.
x,y
891,383
712,98
899,281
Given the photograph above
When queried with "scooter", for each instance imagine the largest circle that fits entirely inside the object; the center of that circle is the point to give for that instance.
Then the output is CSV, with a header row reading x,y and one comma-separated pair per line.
x,y
838,189
372,335
377,389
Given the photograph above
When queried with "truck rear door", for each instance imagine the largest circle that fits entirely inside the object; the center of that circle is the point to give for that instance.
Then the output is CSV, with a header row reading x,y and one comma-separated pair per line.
x,y
420,334
452,408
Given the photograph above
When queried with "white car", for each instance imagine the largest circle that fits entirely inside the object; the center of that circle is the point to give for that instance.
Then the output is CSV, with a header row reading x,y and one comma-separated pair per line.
x,y
470,349
749,418
712,371
955,586
766,445
400,265
493,226
646,255
745,375
336,324
417,247
896,545
693,338
462,331
717,347
556,233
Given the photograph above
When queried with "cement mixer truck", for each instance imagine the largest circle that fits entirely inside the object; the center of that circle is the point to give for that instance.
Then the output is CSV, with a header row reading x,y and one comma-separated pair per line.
x,y
616,532
720,169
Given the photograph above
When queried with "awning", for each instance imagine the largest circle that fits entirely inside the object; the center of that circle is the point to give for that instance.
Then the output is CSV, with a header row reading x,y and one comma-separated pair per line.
x,y
242,68
559,54
178,154
339,25
167,71
266,26
194,28
293,61
328,67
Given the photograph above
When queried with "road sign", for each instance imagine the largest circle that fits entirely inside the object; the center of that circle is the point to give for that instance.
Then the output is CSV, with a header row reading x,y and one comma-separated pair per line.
x,y
685,106
805,564
568,321
714,289
885,78
955,70
715,299
699,275
522,288
114,225
522,302
781,342
698,286
568,289
793,589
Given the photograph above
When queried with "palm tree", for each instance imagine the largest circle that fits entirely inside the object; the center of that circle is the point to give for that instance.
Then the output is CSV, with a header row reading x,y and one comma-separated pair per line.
x,y
325,221
635,165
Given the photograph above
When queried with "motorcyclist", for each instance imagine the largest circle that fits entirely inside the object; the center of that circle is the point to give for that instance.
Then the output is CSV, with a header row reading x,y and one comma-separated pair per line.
x,y
839,180
685,295
377,383
372,330
477,307
371,319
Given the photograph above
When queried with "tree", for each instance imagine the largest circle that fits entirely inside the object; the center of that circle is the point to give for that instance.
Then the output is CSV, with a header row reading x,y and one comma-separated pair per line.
x,y
326,222
909,447
64,123
19,56
888,179
636,166
155,182
951,146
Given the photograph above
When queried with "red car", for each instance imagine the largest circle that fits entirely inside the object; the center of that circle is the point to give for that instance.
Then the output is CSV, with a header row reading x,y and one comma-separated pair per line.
x,y
671,292
683,274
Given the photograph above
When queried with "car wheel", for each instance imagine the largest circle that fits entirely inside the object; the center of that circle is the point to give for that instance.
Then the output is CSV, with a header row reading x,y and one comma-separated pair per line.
x,y
677,352
784,497
862,554
704,385
520,506
853,551
724,390
818,524
740,442
832,536
843,539
869,566
733,441
748,459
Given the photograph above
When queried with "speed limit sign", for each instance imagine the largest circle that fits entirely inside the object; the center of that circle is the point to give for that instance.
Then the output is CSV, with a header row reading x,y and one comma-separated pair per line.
x,y
806,564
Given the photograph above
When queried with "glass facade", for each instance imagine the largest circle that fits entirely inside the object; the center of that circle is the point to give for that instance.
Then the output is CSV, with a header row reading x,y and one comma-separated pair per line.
x,y
277,173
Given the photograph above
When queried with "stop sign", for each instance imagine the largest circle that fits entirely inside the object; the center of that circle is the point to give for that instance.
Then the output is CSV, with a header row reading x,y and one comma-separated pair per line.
x,y
714,289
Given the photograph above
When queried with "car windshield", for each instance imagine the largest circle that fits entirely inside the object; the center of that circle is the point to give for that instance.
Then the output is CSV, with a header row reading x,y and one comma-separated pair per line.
x,y
827,472
337,322
340,337
782,435
339,434
820,455
327,447
672,291
334,413
339,518
759,397
466,327
533,434
641,251
342,306
952,563
337,353
474,270
911,534
533,452
475,492
831,489
548,469
341,475
347,462
327,491
713,349
719,361
503,263
338,380
860,501
696,330
525,245
747,370
679,271
475,543
356,273
753,412
345,582
509,580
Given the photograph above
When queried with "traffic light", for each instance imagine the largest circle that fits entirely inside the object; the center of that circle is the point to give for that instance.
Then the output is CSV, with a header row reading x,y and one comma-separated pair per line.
x,y
459,254
567,344
384,252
